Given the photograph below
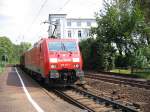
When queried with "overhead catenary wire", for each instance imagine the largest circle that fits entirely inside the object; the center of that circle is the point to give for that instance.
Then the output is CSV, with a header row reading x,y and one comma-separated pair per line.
x,y
43,3
28,30
66,3
40,10
37,15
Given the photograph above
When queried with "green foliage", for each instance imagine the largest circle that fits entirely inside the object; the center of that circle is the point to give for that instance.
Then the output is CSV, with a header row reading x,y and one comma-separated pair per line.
x,y
140,60
19,50
24,46
121,37
119,25
85,47
122,61
145,75
11,52
96,55
121,71
137,74
145,7
1,67
6,48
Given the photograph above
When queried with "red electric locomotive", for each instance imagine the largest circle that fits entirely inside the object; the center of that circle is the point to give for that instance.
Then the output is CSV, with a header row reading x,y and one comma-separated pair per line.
x,y
56,61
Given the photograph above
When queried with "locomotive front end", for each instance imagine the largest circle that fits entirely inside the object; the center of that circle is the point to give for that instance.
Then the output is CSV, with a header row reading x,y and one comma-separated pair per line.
x,y
65,61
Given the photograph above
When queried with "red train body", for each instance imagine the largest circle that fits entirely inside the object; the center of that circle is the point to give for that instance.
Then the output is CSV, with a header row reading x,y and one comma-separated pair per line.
x,y
54,60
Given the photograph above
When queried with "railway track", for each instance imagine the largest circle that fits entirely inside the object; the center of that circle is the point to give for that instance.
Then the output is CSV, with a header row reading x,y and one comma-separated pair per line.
x,y
87,101
90,102
120,80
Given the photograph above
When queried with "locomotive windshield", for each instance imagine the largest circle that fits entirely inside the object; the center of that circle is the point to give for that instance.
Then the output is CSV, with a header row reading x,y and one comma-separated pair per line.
x,y
62,46
55,46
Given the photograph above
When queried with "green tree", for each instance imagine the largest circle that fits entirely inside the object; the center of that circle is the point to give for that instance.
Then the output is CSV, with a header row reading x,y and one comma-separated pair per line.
x,y
145,7
20,49
6,47
24,46
121,26
121,37
139,59
12,51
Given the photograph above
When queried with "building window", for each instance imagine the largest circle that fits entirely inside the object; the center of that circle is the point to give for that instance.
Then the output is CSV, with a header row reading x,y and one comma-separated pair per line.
x,y
57,21
69,33
88,23
68,23
79,23
79,33
88,33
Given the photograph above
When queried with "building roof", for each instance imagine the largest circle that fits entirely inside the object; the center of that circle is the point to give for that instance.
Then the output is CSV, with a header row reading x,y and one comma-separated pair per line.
x,y
57,14
70,18
80,19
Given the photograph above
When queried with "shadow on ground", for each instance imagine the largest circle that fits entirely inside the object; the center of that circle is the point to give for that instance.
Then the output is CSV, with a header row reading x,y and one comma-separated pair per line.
x,y
13,79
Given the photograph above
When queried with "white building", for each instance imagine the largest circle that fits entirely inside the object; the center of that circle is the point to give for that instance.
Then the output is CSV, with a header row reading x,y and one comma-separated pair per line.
x,y
70,27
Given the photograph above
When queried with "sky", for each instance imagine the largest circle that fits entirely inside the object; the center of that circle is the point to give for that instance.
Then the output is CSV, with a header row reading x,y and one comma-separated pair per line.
x,y
21,20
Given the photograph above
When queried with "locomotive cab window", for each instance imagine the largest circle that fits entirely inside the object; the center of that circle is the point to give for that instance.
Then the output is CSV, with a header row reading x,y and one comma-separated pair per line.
x,y
62,46
70,46
55,46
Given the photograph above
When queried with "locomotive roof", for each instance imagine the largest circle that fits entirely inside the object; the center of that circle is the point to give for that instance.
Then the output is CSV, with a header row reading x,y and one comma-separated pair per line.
x,y
52,39
59,39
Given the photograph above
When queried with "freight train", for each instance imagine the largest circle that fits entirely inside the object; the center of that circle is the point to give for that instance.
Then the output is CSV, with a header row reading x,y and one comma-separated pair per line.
x,y
54,61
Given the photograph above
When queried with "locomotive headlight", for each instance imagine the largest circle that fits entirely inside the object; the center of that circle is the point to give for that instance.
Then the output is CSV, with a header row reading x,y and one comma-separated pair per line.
x,y
77,65
76,60
53,60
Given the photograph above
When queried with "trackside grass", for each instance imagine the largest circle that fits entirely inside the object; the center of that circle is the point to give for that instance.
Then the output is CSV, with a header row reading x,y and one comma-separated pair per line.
x,y
145,75
121,71
1,68
139,74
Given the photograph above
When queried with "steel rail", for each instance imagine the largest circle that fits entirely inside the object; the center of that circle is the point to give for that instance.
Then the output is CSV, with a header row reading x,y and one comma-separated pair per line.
x,y
114,104
106,101
71,100
95,98
120,80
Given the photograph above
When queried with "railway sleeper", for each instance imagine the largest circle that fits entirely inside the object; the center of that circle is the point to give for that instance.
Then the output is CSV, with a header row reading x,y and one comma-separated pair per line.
x,y
88,102
103,110
95,106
